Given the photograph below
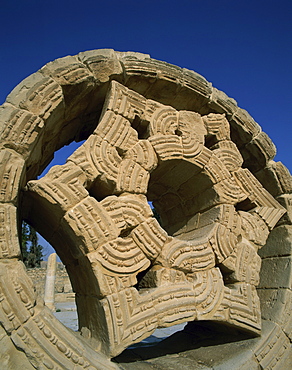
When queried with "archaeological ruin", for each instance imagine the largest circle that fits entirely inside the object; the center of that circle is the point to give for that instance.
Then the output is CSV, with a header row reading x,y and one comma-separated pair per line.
x,y
217,256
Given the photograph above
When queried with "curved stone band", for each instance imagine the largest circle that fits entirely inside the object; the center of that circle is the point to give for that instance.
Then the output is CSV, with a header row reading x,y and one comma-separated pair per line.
x,y
154,132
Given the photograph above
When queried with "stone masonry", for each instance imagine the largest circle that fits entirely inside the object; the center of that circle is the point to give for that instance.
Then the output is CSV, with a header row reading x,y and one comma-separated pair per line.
x,y
63,288
220,258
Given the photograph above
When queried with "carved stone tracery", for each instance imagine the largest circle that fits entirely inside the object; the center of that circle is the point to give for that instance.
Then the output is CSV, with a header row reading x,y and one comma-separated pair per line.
x,y
196,160
202,265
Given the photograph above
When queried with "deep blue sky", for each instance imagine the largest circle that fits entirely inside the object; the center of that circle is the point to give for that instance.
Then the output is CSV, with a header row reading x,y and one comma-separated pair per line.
x,y
242,47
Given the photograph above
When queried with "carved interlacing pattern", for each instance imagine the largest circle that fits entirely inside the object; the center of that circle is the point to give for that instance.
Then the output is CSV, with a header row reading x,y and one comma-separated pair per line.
x,y
202,263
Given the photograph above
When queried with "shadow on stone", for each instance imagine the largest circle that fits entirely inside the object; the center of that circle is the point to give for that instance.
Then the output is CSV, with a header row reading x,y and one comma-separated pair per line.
x,y
195,335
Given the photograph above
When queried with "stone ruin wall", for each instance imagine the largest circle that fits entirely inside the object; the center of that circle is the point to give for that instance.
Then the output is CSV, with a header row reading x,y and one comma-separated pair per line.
x,y
63,287
153,132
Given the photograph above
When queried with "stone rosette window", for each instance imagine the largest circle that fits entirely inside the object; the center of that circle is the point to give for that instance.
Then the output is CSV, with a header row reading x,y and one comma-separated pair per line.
x,y
154,132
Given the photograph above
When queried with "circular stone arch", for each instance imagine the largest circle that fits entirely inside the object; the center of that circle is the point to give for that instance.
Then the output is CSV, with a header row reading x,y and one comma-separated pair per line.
x,y
61,103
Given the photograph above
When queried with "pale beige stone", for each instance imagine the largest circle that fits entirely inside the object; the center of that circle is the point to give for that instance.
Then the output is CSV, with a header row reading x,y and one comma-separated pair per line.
x,y
228,153
62,185
276,272
286,201
153,132
143,154
9,242
254,228
245,127
10,357
68,71
222,103
89,223
21,129
40,95
276,177
267,207
217,128
247,264
122,248
278,243
258,152
124,101
103,63
274,348
244,307
12,176
49,295
276,307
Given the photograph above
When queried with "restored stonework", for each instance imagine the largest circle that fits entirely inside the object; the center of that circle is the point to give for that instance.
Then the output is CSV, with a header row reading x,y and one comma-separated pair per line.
x,y
154,133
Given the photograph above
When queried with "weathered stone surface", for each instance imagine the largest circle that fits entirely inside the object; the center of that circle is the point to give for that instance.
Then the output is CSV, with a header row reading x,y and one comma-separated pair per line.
x,y
276,177
258,152
276,307
49,295
9,242
266,205
12,176
276,272
68,71
221,103
274,349
10,357
115,249
20,129
63,288
278,243
17,295
103,63
154,132
244,127
286,201
40,95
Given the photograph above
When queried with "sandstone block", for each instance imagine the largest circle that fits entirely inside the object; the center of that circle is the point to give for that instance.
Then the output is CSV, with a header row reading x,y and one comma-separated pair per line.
x,y
103,63
26,130
276,307
279,242
89,223
267,207
286,201
258,152
247,264
217,127
254,228
276,177
222,103
68,71
10,357
124,101
244,126
276,272
9,242
39,94
131,275
77,83
17,295
63,185
12,176
197,83
228,153
274,348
